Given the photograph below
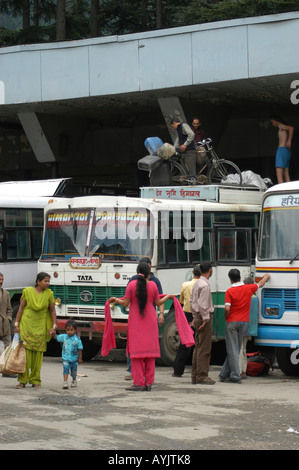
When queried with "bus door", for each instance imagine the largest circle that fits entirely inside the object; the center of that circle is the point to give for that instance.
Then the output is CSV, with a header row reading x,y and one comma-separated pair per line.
x,y
234,248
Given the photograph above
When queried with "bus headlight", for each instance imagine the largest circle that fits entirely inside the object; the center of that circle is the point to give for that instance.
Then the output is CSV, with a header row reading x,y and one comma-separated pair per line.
x,y
57,302
272,311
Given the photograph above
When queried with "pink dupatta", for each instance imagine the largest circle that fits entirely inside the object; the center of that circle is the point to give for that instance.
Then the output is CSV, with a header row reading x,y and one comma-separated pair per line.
x,y
108,341
184,329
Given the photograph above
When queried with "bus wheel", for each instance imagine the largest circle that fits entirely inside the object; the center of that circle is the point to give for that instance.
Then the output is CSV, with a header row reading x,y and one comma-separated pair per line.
x,y
288,360
169,341
90,349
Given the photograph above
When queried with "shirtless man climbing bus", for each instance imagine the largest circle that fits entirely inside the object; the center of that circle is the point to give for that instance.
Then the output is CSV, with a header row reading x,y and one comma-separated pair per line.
x,y
283,153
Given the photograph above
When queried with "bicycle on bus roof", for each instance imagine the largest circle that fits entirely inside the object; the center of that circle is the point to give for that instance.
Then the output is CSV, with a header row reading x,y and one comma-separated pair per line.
x,y
217,170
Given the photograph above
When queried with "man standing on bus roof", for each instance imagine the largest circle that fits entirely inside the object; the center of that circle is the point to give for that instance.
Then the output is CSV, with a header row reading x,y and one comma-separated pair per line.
x,y
196,127
237,313
283,153
202,309
185,142
5,316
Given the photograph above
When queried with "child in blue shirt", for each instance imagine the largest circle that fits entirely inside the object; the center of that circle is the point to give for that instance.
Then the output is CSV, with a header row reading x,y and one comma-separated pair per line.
x,y
71,352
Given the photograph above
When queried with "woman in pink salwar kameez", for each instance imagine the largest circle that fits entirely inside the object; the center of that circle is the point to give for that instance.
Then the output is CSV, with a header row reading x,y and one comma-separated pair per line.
x,y
143,337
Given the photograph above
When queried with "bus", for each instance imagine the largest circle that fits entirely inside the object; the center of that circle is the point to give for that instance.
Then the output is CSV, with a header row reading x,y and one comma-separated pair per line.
x,y
278,255
21,229
92,245
21,225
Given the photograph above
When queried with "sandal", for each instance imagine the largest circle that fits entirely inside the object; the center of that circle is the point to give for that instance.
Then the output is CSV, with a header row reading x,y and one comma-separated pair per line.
x,y
19,386
36,385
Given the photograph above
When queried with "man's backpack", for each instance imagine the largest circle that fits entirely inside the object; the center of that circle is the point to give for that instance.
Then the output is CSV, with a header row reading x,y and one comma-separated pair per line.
x,y
257,364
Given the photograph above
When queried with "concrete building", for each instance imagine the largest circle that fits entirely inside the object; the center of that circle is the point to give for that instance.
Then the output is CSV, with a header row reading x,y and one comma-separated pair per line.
x,y
84,108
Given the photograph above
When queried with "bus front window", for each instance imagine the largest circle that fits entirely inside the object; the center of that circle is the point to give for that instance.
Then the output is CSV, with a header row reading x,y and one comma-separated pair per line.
x,y
121,234
278,225
66,234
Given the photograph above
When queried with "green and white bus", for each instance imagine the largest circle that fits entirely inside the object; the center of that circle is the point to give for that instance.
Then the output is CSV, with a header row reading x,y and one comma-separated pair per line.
x,y
92,245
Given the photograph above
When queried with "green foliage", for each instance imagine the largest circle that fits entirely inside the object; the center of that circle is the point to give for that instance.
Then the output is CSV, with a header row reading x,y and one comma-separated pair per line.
x,y
7,37
125,16
202,12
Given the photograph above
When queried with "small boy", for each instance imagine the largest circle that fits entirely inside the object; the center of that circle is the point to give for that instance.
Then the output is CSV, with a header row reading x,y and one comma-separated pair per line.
x,y
71,352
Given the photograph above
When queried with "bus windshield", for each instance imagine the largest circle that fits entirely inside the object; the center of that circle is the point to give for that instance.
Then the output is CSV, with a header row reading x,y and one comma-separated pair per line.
x,y
278,225
121,234
110,234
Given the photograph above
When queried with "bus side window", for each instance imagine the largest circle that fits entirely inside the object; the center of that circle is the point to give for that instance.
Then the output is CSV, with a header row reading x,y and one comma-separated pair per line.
x,y
234,245
36,238
242,246
18,246
254,240
205,252
226,245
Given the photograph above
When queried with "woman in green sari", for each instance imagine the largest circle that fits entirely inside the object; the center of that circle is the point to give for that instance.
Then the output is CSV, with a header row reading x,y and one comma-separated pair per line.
x,y
36,322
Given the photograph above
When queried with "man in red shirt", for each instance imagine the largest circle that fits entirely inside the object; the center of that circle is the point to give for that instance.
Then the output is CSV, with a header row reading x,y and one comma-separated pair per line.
x,y
236,311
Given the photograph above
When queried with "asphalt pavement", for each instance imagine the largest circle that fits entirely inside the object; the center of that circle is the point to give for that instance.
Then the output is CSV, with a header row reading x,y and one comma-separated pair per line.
x,y
174,418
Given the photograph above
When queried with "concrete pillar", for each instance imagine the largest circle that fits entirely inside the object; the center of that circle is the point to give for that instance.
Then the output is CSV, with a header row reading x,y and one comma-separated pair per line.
x,y
36,137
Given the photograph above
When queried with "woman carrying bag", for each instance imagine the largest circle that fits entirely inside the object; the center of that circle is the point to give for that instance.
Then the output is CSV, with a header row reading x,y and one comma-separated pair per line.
x,y
36,322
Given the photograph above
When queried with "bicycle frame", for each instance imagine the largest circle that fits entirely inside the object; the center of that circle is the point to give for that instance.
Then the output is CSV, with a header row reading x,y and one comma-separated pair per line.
x,y
217,169
211,155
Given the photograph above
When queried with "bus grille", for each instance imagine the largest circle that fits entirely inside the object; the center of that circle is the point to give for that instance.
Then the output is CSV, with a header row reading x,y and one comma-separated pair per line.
x,y
289,298
87,295
71,310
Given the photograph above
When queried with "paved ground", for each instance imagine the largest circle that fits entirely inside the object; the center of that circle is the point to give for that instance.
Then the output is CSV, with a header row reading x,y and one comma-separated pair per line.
x,y
176,416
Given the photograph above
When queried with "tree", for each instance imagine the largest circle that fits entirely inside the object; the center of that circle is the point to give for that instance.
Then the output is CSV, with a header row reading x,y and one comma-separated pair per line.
x,y
47,20
158,14
95,28
60,20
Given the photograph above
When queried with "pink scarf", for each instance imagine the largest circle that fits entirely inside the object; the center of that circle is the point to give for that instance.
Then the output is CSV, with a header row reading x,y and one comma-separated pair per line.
x,y
108,341
184,329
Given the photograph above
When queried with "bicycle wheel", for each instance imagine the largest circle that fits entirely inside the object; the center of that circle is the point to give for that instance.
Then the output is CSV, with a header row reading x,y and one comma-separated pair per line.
x,y
219,171
180,175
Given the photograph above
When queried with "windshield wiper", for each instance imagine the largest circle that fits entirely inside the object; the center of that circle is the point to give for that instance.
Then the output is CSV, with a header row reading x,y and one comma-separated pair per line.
x,y
294,258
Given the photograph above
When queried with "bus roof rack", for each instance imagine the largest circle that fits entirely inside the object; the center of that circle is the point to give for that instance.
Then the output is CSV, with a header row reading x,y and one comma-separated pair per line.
x,y
213,193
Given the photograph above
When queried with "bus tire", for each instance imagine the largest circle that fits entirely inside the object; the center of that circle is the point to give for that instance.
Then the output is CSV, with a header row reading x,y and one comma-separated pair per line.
x,y
169,341
90,349
283,357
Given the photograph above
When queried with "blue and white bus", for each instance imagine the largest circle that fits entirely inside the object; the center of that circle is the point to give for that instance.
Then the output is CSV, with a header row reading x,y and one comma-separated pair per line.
x,y
278,255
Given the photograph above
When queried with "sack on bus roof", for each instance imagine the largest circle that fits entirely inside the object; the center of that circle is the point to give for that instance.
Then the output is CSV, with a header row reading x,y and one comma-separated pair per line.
x,y
166,151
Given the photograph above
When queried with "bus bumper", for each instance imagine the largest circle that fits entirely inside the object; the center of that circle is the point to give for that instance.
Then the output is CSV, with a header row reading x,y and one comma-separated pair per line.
x,y
94,328
278,336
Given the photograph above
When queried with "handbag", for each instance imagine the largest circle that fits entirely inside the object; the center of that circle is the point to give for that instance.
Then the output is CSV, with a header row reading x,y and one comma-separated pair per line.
x,y
13,359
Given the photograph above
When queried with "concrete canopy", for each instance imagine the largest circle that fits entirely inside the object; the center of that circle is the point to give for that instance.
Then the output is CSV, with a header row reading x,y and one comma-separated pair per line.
x,y
247,66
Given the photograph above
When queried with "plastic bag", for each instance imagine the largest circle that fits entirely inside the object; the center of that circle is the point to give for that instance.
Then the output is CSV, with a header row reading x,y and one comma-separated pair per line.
x,y
248,178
